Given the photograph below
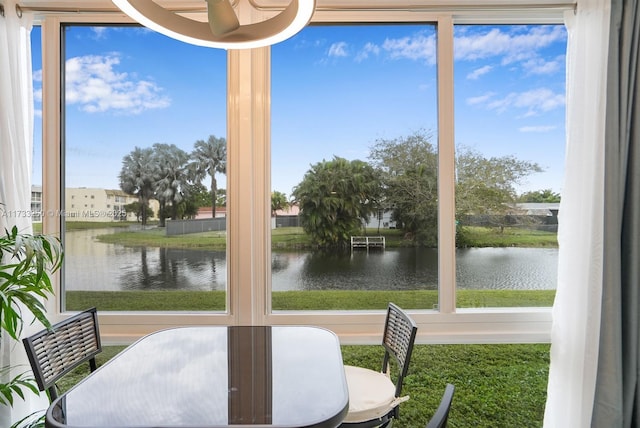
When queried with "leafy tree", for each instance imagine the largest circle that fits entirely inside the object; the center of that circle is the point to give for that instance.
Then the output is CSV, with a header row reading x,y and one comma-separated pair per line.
x,y
278,202
171,178
199,195
540,196
209,158
187,208
138,176
409,167
487,185
221,198
141,214
335,197
194,196
409,173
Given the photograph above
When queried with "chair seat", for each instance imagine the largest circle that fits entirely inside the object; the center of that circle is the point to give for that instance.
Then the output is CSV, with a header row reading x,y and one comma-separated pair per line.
x,y
371,394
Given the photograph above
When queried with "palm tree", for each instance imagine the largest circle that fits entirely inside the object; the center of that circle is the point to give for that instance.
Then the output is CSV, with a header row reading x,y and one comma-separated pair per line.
x,y
278,202
171,177
208,158
336,198
137,177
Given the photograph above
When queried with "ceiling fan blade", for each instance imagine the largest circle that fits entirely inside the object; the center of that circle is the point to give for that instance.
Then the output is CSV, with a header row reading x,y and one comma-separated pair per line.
x,y
222,17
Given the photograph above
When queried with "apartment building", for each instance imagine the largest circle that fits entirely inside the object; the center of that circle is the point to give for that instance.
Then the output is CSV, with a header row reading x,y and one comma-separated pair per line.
x,y
90,204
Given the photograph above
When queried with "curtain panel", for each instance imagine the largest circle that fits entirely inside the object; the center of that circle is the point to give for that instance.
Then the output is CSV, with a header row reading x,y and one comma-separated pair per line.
x,y
16,157
576,310
616,401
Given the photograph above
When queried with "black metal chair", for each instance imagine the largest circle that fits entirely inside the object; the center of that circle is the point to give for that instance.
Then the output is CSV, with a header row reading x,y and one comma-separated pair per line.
x,y
55,352
440,417
374,398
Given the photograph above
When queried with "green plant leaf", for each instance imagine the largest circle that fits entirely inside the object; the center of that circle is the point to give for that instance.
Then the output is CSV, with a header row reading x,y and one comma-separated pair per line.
x,y
27,260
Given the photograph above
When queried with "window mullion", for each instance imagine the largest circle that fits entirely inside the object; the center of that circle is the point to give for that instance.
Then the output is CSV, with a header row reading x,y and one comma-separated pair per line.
x,y
446,169
248,185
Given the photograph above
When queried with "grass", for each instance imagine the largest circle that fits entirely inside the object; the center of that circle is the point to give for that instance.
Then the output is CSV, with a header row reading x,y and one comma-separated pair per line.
x,y
509,237
85,225
496,385
291,238
294,238
156,237
176,300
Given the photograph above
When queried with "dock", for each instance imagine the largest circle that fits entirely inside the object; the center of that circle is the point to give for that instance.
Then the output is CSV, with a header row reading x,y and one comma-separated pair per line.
x,y
367,242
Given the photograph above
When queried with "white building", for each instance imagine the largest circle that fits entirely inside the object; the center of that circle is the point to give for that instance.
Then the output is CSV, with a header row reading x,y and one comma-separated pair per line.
x,y
90,204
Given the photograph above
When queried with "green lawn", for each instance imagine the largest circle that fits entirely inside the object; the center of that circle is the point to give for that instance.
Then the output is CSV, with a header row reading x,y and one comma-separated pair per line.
x,y
175,300
294,238
509,237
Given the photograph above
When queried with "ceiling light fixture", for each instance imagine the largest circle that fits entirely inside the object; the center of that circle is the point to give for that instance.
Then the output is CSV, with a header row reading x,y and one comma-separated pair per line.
x,y
223,29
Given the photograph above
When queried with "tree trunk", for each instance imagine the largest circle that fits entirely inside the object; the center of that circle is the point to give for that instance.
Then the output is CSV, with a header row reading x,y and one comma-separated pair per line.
x,y
143,210
214,189
162,214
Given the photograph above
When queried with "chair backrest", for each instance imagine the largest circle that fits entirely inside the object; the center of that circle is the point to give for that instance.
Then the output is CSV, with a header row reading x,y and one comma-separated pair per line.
x,y
398,338
439,419
55,352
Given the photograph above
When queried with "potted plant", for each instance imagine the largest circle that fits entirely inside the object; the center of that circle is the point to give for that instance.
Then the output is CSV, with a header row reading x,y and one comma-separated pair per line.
x,y
25,264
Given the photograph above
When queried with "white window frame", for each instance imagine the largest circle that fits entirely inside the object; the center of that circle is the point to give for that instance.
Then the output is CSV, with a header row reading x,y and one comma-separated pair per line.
x,y
249,189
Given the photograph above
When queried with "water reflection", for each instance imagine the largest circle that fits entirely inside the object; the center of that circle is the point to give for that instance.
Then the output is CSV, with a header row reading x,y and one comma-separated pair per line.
x,y
397,269
167,269
92,265
507,268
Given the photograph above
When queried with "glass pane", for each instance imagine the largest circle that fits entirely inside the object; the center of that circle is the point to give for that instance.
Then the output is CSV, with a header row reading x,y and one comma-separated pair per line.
x,y
354,168
510,138
144,131
36,173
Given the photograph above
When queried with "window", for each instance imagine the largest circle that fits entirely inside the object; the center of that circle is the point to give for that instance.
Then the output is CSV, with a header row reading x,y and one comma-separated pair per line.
x,y
243,99
367,99
122,98
367,82
509,97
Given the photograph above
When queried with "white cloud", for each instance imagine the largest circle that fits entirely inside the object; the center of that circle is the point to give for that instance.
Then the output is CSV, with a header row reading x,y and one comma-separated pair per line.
x,y
541,128
475,74
476,46
541,66
534,101
417,47
541,99
93,83
511,47
37,86
99,32
482,99
338,49
369,48
520,46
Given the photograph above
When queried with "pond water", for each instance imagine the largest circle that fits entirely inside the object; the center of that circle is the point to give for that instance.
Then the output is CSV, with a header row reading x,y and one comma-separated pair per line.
x,y
92,265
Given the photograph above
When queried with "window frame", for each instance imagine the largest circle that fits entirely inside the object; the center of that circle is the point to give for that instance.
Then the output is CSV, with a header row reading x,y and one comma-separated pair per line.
x,y
249,189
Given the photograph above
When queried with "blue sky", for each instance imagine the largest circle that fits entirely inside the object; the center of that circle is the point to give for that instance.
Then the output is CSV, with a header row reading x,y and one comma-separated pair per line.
x,y
335,91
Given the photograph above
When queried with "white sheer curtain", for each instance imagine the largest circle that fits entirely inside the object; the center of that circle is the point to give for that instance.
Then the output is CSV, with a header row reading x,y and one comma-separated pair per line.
x,y
576,311
16,147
